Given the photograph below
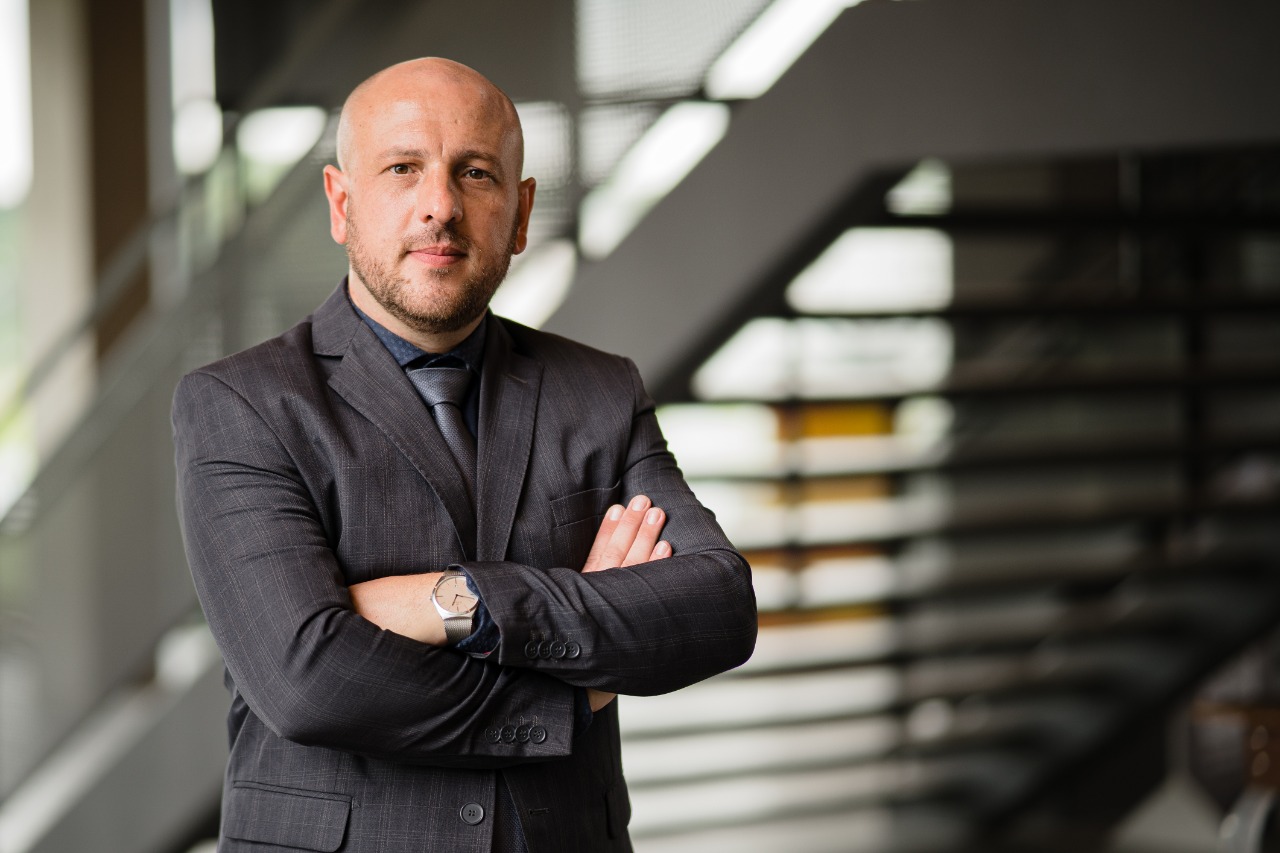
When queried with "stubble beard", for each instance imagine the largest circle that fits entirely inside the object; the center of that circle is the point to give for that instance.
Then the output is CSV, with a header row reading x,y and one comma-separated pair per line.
x,y
445,312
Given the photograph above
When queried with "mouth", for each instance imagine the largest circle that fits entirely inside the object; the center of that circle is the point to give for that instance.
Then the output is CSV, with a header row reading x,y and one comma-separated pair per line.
x,y
438,255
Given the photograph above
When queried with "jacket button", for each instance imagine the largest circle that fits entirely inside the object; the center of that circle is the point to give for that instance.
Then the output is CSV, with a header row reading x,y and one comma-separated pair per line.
x,y
544,650
537,734
572,650
493,734
471,813
522,734
509,734
557,650
531,649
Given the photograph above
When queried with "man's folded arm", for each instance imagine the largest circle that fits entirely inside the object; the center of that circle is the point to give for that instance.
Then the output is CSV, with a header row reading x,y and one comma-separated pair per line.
x,y
638,630
308,665
642,629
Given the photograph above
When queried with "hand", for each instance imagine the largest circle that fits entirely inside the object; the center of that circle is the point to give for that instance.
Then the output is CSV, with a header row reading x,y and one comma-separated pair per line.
x,y
401,603
598,699
628,536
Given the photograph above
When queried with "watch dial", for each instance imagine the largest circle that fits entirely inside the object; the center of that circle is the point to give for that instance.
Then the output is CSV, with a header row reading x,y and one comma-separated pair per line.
x,y
454,596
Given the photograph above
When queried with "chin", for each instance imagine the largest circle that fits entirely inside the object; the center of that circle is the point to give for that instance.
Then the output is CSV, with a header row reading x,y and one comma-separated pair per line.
x,y
439,319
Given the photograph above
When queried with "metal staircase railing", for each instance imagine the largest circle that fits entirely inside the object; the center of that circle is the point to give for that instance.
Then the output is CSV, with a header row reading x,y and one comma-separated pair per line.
x,y
959,632
92,557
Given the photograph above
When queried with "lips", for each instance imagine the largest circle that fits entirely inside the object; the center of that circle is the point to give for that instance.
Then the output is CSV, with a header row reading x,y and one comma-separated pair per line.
x,y
441,255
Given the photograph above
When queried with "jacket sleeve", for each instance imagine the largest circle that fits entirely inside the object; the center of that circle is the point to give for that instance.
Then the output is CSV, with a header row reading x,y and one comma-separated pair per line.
x,y
642,630
306,663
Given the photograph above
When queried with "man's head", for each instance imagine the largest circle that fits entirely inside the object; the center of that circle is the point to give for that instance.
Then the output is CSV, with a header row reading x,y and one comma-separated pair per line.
x,y
427,197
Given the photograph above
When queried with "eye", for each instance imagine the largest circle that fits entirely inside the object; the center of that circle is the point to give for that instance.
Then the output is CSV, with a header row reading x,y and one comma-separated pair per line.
x,y
400,169
475,174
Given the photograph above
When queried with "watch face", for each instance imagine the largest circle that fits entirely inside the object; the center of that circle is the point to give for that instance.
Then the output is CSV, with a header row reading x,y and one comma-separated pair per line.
x,y
453,595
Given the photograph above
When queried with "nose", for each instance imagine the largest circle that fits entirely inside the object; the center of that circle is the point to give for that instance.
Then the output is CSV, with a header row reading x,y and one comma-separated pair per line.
x,y
438,197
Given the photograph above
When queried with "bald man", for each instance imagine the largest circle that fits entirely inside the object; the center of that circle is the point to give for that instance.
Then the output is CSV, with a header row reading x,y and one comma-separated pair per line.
x,y
433,545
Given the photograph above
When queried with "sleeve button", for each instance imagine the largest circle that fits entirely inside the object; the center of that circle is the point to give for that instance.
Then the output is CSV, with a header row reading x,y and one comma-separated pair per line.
x,y
557,650
544,650
509,734
537,734
522,734
493,734
572,650
531,649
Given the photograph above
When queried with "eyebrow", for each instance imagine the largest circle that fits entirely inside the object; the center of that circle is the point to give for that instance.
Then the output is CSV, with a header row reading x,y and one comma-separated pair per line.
x,y
421,154
398,154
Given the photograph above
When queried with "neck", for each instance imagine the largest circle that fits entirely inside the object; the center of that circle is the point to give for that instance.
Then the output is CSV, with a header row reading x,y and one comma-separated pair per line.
x,y
436,342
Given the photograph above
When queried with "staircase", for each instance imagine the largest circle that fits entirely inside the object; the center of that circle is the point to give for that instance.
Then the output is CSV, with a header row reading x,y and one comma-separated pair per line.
x,y
1001,521
1007,474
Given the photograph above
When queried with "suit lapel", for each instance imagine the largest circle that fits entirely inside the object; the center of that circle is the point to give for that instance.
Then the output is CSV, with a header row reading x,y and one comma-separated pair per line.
x,y
370,380
508,403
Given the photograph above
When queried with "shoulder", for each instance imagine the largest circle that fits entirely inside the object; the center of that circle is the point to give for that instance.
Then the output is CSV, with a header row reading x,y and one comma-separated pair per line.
x,y
290,361
556,351
264,370
575,371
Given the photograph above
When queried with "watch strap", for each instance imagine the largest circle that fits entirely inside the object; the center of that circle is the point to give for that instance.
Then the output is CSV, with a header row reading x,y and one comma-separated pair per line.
x,y
458,628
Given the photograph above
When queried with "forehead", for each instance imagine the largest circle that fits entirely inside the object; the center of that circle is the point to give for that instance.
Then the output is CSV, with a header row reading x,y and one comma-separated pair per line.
x,y
438,116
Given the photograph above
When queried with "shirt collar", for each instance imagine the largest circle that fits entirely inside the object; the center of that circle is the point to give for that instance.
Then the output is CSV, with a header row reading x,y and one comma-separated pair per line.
x,y
470,351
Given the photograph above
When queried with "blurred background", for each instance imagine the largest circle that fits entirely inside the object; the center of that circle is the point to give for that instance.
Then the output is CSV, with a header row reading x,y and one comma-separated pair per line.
x,y
963,316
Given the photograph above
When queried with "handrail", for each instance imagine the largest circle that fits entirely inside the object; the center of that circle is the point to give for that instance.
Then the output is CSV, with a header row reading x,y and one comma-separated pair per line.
x,y
125,263
132,537
128,259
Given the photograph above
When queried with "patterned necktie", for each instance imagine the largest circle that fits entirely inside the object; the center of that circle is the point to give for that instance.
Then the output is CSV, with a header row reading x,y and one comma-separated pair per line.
x,y
444,389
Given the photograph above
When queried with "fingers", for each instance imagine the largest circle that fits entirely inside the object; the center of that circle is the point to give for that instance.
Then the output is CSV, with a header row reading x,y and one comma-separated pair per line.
x,y
646,537
607,526
635,535
629,536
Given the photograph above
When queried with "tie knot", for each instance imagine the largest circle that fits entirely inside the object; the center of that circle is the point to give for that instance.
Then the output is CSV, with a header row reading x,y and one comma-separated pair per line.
x,y
441,384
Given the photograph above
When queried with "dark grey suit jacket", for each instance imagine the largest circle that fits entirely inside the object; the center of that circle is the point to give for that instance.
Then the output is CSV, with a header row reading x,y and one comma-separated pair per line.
x,y
308,463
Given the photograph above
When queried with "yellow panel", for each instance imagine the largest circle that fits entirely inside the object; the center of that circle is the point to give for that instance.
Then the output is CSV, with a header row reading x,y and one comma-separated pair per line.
x,y
826,614
844,489
839,419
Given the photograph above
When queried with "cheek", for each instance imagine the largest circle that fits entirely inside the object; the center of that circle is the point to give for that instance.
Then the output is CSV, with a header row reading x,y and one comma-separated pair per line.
x,y
500,222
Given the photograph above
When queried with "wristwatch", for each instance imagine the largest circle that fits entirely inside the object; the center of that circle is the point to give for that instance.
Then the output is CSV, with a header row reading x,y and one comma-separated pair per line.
x,y
456,604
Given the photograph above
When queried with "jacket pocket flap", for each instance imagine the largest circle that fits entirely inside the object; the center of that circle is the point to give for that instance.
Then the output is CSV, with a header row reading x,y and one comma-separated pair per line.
x,y
583,505
289,817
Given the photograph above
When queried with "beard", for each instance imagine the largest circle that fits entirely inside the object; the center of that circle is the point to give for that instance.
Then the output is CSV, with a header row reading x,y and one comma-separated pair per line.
x,y
430,308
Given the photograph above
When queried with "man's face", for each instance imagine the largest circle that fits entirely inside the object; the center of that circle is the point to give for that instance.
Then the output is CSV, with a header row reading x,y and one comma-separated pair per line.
x,y
430,205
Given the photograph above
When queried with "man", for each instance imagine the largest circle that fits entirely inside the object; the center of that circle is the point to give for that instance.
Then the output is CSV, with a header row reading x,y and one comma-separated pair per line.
x,y
427,600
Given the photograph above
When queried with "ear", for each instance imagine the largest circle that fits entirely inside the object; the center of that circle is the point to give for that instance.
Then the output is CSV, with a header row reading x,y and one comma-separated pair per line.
x,y
335,187
525,207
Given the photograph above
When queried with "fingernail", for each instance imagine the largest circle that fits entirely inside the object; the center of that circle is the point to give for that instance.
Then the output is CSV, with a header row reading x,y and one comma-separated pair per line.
x,y
653,516
639,502
615,512
663,549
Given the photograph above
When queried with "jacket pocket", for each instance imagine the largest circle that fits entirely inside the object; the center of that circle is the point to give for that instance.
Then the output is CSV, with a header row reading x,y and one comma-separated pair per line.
x,y
576,518
583,506
289,817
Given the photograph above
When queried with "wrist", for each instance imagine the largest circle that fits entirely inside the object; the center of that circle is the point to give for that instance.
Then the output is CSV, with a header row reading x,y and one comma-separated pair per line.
x,y
432,624
455,604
